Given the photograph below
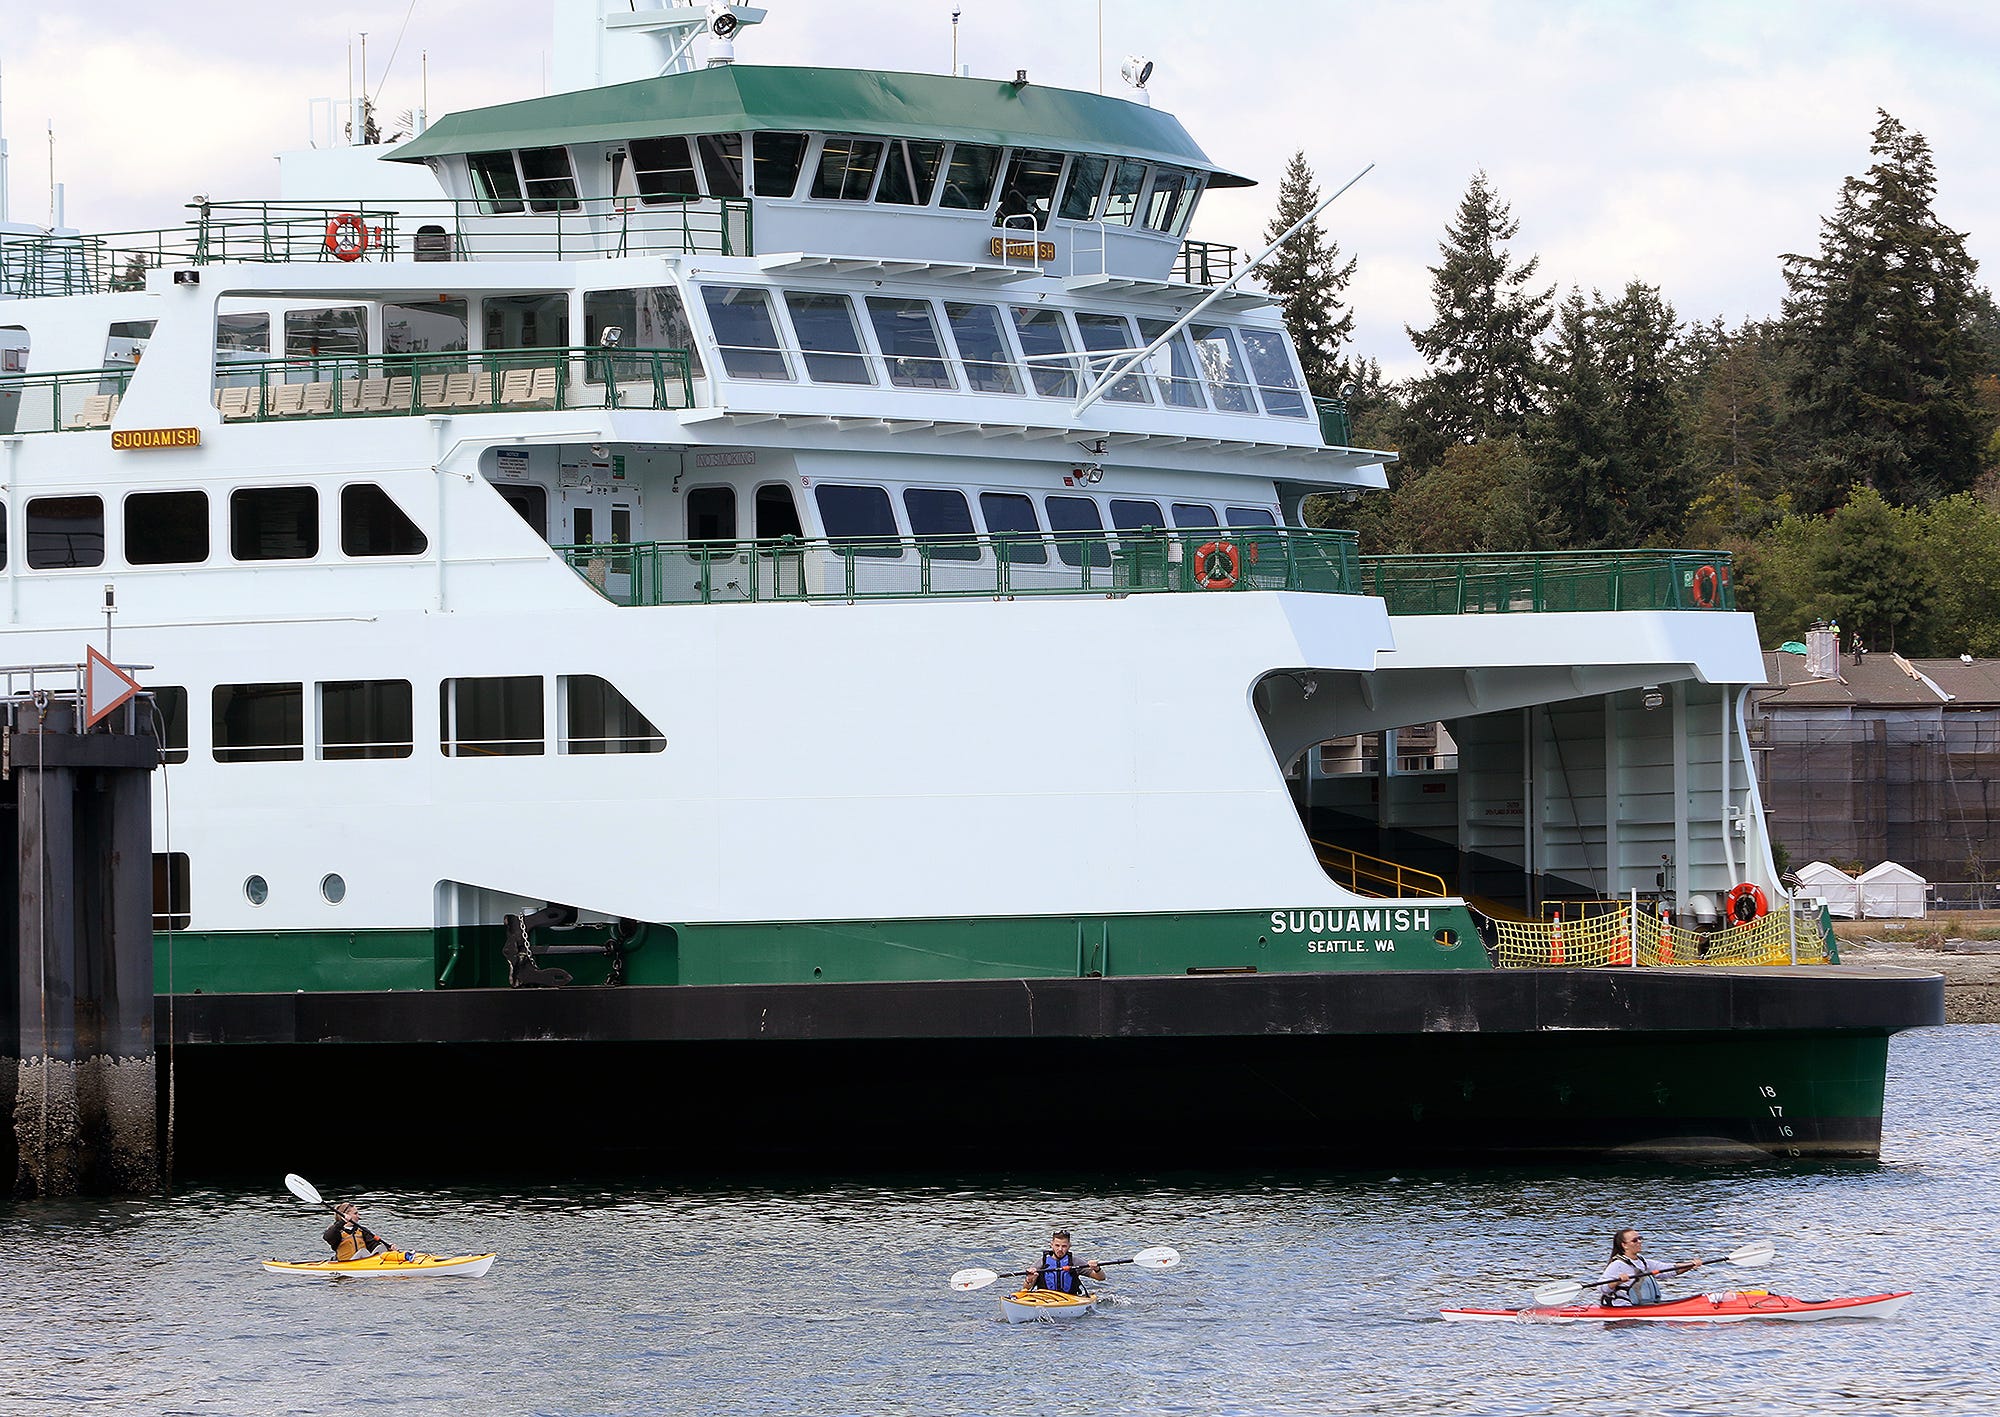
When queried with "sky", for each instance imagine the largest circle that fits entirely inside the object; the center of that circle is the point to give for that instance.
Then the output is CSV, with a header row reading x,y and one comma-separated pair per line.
x,y
1684,143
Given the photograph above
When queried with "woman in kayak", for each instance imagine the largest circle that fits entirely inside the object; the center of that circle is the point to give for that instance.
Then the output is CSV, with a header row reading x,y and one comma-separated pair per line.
x,y
1060,1270
1629,1279
351,1240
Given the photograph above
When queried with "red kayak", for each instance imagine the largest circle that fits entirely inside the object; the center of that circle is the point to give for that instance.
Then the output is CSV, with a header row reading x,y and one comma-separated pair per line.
x,y
1731,1306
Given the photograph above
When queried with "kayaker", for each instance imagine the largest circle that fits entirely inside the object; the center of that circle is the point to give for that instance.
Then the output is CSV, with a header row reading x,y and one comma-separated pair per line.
x,y
1629,1280
351,1240
1062,1271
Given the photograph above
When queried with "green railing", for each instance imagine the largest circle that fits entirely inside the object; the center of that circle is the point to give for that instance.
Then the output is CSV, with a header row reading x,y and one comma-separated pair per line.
x,y
58,401
901,568
1552,581
439,229
1335,430
1205,262
492,381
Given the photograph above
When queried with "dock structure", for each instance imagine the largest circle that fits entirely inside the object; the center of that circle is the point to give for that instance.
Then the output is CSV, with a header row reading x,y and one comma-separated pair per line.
x,y
76,955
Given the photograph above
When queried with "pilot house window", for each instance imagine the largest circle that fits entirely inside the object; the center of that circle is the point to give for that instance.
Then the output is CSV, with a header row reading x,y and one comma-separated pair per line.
x,y
847,169
545,176
663,169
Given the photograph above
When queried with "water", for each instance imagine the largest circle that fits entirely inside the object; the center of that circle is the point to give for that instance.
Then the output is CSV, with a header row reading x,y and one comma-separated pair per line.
x,y
1297,1293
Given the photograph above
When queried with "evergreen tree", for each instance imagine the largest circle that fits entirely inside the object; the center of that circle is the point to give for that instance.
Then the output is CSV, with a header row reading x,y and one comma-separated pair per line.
x,y
1873,576
1307,277
1738,458
1481,345
1570,440
1883,324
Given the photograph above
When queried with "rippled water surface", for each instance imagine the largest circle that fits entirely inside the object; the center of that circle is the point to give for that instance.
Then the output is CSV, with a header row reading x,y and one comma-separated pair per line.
x,y
1297,1293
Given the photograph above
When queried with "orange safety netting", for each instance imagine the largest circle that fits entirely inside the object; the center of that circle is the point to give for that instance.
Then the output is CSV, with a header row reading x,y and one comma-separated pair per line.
x,y
1609,940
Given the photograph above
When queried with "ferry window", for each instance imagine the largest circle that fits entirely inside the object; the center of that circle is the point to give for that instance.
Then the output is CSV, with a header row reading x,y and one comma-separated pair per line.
x,y
651,316
65,532
968,178
1189,196
775,161
911,173
170,890
1271,365
166,528
1215,347
532,502
663,169
273,523
722,163
494,182
1030,188
1130,514
366,718
777,513
746,332
1111,336
546,178
170,721
847,169
1194,514
940,517
909,338
1010,518
491,718
711,514
1084,524
1250,516
259,723
858,520
371,524
1163,204
1086,180
237,335
596,718
1045,333
322,335
527,321
1121,203
1173,366
3,528
828,337
427,327
982,349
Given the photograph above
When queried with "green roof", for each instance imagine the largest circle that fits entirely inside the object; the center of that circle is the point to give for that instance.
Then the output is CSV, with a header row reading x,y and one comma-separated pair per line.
x,y
735,98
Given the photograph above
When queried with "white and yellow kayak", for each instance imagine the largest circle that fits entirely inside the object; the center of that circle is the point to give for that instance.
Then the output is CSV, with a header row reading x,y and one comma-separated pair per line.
x,y
1028,1306
392,1265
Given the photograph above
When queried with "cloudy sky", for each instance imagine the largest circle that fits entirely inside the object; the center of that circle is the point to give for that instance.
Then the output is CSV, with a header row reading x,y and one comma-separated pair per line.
x,y
1686,143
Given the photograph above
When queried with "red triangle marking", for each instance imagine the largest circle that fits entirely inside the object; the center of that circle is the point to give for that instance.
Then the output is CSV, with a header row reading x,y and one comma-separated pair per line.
x,y
105,687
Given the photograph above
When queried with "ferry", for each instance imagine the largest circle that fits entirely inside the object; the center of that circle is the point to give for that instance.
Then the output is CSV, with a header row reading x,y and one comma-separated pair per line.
x,y
773,618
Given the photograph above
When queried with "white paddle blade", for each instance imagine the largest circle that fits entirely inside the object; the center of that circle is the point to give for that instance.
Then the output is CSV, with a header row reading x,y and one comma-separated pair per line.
x,y
1159,1257
1761,1252
967,1279
1559,1293
303,1189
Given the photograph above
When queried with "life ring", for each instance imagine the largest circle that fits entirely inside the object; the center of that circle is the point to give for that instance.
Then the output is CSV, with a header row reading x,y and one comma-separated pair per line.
x,y
347,237
1707,588
1217,564
1745,903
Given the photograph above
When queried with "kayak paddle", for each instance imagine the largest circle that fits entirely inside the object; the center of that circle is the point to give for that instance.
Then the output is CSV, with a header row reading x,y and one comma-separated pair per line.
x,y
303,1189
1568,1291
1159,1257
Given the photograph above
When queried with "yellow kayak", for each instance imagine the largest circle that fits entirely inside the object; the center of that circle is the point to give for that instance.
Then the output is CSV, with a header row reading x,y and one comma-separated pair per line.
x,y
393,1265
1038,1305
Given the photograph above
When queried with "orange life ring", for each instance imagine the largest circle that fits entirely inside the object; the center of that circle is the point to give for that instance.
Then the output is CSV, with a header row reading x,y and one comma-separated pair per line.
x,y
1745,903
1217,564
347,237
1707,588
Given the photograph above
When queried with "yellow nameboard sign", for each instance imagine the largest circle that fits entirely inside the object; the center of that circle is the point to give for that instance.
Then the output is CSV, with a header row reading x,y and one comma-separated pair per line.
x,y
1023,250
156,438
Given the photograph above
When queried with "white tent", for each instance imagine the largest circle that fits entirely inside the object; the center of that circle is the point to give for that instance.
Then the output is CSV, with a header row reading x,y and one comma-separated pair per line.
x,y
1840,891
1894,891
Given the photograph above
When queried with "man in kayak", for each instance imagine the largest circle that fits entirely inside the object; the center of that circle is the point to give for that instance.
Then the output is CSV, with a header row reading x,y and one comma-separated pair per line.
x,y
1629,1279
351,1240
1060,1270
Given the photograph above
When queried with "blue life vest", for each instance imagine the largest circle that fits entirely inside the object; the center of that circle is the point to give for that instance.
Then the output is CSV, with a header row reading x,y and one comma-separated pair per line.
x,y
1059,1275
1646,1290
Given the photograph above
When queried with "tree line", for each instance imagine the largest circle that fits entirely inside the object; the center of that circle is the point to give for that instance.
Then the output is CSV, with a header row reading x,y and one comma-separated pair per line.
x,y
1845,453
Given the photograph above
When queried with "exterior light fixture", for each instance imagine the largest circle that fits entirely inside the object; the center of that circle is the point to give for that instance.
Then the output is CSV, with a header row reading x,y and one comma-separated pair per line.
x,y
1136,70
1651,697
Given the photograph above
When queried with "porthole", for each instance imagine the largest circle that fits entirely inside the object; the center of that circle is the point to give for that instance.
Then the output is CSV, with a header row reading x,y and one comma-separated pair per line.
x,y
256,890
333,888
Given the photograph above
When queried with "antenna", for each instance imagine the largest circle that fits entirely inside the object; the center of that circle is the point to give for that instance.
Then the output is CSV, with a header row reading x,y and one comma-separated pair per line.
x,y
955,12
3,159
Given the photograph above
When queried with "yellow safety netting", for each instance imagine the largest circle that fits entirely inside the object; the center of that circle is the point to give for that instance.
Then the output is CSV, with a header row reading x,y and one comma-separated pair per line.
x,y
1610,940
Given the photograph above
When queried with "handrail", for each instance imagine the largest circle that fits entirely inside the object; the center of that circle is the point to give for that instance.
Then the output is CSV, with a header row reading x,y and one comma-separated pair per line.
x,y
1362,870
1488,583
1335,429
